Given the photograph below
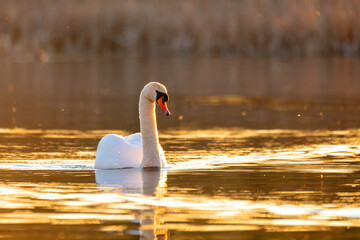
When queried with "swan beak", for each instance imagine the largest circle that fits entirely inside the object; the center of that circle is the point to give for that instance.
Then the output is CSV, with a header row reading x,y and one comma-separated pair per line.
x,y
163,106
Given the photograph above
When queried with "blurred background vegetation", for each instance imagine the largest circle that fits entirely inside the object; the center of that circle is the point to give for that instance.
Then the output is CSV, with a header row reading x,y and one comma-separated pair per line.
x,y
257,63
45,29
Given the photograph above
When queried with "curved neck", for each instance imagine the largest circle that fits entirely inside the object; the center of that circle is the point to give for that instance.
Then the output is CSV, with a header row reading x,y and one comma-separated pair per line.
x,y
149,133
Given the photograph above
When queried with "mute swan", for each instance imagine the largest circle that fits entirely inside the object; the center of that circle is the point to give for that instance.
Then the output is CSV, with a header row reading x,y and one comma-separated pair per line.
x,y
139,149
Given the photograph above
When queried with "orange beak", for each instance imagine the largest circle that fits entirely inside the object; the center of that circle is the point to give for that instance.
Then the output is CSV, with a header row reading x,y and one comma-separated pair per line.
x,y
163,106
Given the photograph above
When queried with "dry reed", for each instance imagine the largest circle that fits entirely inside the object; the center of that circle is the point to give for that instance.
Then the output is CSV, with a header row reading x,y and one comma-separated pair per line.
x,y
206,27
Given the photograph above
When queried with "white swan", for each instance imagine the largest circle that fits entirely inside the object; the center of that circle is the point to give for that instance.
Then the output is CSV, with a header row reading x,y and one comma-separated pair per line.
x,y
139,149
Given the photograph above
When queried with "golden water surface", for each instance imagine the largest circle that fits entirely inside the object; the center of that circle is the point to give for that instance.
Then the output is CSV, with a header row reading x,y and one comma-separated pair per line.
x,y
224,182
257,149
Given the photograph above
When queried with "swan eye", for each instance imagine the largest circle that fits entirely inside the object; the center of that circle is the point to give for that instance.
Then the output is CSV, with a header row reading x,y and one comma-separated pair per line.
x,y
162,95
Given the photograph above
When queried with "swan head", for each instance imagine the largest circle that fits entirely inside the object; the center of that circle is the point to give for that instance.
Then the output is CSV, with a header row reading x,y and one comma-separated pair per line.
x,y
156,92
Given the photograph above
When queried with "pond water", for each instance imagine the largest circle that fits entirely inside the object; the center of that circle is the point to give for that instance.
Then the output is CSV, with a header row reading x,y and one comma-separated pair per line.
x,y
269,151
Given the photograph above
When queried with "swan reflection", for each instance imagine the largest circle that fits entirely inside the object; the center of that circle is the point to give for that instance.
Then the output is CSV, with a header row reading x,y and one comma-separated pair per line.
x,y
148,182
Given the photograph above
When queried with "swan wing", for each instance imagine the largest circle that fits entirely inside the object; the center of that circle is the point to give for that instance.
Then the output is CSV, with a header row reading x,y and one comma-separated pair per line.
x,y
134,139
116,151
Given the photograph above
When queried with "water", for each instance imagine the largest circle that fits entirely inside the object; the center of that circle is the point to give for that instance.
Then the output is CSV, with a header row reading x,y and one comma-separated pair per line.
x,y
241,165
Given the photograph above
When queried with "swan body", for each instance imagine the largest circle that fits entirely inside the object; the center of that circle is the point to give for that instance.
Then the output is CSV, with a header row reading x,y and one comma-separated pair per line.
x,y
116,151
139,150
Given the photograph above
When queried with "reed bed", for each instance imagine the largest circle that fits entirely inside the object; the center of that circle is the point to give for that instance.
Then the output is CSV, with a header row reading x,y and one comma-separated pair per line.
x,y
47,28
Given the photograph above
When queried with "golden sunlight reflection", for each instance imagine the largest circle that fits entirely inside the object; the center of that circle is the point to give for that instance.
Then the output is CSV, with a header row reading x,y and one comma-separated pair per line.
x,y
218,180
84,204
193,149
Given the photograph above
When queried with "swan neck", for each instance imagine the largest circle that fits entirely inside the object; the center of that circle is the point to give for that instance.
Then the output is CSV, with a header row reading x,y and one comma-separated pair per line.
x,y
149,133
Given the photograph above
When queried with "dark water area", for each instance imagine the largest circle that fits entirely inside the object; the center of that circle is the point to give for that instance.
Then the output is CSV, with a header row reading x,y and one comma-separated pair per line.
x,y
285,93
257,149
